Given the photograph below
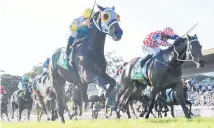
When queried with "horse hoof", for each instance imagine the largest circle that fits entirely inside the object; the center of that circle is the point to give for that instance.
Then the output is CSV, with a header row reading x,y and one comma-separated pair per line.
x,y
129,117
70,117
48,119
141,115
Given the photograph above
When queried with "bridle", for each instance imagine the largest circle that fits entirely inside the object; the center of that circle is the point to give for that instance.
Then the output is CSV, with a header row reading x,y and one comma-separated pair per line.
x,y
188,53
102,26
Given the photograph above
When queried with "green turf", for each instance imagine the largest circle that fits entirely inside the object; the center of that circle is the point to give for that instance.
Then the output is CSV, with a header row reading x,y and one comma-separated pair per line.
x,y
133,123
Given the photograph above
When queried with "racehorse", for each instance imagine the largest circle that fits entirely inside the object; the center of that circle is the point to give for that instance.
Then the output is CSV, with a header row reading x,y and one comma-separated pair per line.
x,y
74,94
88,60
4,103
21,99
163,71
168,98
45,99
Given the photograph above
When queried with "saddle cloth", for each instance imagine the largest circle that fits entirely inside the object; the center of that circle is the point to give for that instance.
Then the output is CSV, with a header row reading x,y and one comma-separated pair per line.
x,y
137,72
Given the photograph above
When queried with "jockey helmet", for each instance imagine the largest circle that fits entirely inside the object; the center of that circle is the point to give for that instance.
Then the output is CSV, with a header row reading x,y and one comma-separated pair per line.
x,y
25,79
87,13
168,32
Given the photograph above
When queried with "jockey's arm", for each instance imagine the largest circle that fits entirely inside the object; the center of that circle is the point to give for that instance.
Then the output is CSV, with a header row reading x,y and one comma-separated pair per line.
x,y
79,22
162,43
175,37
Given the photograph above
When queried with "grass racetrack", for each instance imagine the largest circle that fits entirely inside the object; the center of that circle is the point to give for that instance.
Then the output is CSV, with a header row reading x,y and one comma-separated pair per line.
x,y
127,123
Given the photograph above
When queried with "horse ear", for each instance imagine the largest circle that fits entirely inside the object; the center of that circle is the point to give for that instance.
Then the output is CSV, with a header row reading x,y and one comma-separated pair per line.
x,y
195,36
113,8
188,37
101,8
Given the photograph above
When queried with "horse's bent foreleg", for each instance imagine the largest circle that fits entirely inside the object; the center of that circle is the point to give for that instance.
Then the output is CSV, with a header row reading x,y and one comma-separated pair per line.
x,y
59,87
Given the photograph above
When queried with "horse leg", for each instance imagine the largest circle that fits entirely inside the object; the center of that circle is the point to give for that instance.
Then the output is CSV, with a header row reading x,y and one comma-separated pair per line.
x,y
58,84
44,108
80,109
172,111
128,112
131,105
84,88
20,113
190,108
66,109
180,96
38,112
106,110
117,104
153,96
28,114
13,110
2,116
112,83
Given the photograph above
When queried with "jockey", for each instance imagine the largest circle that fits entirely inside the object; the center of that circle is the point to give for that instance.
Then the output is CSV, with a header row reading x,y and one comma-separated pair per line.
x,y
78,24
23,84
45,69
155,39
2,90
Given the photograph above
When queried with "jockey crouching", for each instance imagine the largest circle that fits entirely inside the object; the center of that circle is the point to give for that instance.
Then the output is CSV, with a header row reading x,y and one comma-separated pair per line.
x,y
2,91
78,28
25,84
155,39
45,70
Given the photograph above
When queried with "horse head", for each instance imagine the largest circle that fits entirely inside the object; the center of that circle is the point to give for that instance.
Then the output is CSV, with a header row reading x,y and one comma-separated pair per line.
x,y
107,21
189,49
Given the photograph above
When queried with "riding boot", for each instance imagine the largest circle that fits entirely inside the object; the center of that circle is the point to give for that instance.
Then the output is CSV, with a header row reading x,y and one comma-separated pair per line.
x,y
143,61
68,50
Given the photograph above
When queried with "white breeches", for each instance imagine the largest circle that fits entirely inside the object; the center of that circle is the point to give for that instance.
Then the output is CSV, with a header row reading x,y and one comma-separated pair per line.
x,y
150,50
73,34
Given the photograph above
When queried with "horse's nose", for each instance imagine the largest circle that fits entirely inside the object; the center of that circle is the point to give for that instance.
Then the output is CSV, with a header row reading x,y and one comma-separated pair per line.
x,y
118,32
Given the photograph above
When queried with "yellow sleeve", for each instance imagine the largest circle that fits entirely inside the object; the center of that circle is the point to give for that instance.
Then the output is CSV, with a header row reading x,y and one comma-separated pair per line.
x,y
74,26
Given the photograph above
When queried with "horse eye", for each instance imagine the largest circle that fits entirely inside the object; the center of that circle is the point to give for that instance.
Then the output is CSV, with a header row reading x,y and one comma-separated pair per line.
x,y
106,16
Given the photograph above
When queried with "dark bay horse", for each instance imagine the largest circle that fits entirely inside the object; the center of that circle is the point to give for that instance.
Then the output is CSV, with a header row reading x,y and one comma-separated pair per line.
x,y
21,100
88,60
3,105
163,98
164,71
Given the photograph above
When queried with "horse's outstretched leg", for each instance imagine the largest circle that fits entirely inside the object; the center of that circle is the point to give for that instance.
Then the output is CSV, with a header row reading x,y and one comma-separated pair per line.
x,y
84,88
172,111
153,95
180,95
20,113
128,112
58,84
